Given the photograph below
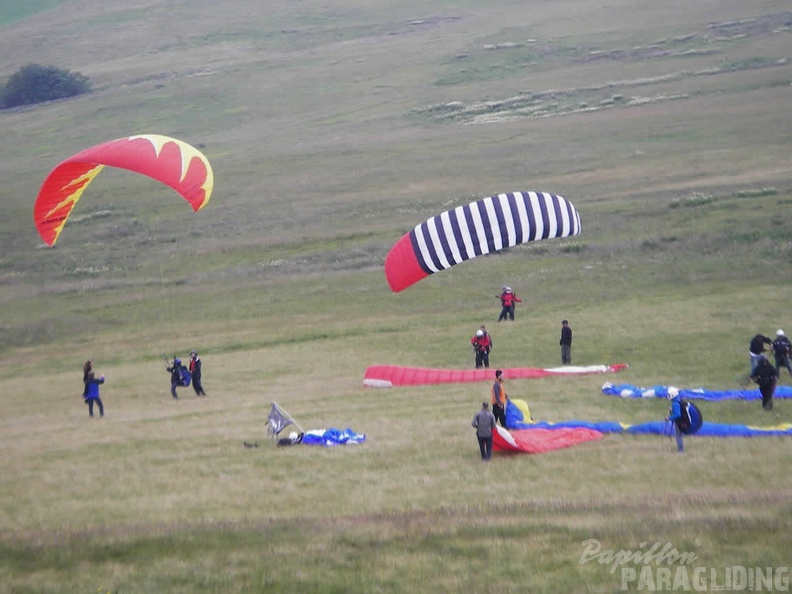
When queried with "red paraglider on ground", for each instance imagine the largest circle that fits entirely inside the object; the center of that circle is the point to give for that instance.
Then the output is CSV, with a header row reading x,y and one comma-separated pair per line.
x,y
540,441
388,376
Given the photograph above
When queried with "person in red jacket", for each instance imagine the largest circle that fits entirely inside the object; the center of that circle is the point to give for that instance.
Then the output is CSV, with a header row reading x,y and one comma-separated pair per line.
x,y
482,345
195,372
508,300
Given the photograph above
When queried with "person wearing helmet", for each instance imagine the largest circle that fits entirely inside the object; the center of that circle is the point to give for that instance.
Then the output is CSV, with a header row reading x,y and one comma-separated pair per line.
x,y
782,351
508,300
674,416
195,371
175,370
482,345
293,439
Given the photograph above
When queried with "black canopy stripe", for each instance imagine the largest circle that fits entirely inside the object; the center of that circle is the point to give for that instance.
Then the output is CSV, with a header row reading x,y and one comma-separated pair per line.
x,y
515,229
544,216
489,225
460,250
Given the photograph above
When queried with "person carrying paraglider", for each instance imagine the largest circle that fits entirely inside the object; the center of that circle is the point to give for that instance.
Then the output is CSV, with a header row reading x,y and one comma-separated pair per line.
x,y
782,350
508,300
674,417
175,369
482,345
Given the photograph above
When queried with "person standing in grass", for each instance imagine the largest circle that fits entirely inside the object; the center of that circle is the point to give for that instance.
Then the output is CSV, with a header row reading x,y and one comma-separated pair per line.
x,y
195,372
91,389
482,345
484,422
499,398
508,302
782,350
757,348
674,417
766,376
566,343
176,376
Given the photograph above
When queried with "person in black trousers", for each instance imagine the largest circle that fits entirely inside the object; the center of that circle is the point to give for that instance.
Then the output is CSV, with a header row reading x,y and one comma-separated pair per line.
x,y
91,389
195,371
176,376
566,343
766,376
757,348
484,422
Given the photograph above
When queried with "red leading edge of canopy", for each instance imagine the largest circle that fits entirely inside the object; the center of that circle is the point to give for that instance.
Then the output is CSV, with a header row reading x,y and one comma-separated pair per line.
x,y
401,265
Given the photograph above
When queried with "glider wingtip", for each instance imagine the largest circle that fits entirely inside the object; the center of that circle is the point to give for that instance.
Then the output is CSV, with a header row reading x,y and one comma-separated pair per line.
x,y
394,286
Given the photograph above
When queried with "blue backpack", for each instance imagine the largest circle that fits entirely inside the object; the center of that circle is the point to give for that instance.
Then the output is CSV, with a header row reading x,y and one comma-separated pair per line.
x,y
186,376
692,418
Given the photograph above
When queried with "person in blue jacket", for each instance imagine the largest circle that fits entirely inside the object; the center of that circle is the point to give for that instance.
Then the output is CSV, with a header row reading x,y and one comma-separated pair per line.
x,y
176,376
91,390
674,416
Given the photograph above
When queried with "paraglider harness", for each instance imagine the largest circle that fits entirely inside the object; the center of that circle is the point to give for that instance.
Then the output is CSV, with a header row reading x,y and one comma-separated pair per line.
x,y
179,372
691,418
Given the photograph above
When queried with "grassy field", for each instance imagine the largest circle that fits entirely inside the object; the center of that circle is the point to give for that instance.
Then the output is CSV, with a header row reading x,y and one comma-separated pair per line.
x,y
332,130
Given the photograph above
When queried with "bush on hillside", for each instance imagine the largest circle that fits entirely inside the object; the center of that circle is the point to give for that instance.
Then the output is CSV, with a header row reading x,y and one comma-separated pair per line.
x,y
35,83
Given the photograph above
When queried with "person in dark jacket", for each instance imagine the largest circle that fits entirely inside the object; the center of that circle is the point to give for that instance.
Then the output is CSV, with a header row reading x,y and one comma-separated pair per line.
x,y
566,343
484,422
176,376
757,349
195,371
91,388
766,376
782,351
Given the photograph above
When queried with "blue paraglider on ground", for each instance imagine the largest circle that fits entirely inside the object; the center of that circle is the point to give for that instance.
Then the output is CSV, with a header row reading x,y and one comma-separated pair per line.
x,y
630,391
332,437
515,420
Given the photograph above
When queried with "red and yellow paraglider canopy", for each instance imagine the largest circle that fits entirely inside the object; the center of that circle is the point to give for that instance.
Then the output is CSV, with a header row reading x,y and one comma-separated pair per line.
x,y
167,160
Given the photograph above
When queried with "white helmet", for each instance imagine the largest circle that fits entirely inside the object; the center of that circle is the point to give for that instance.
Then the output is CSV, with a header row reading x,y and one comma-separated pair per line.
x,y
480,333
779,332
293,435
673,392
